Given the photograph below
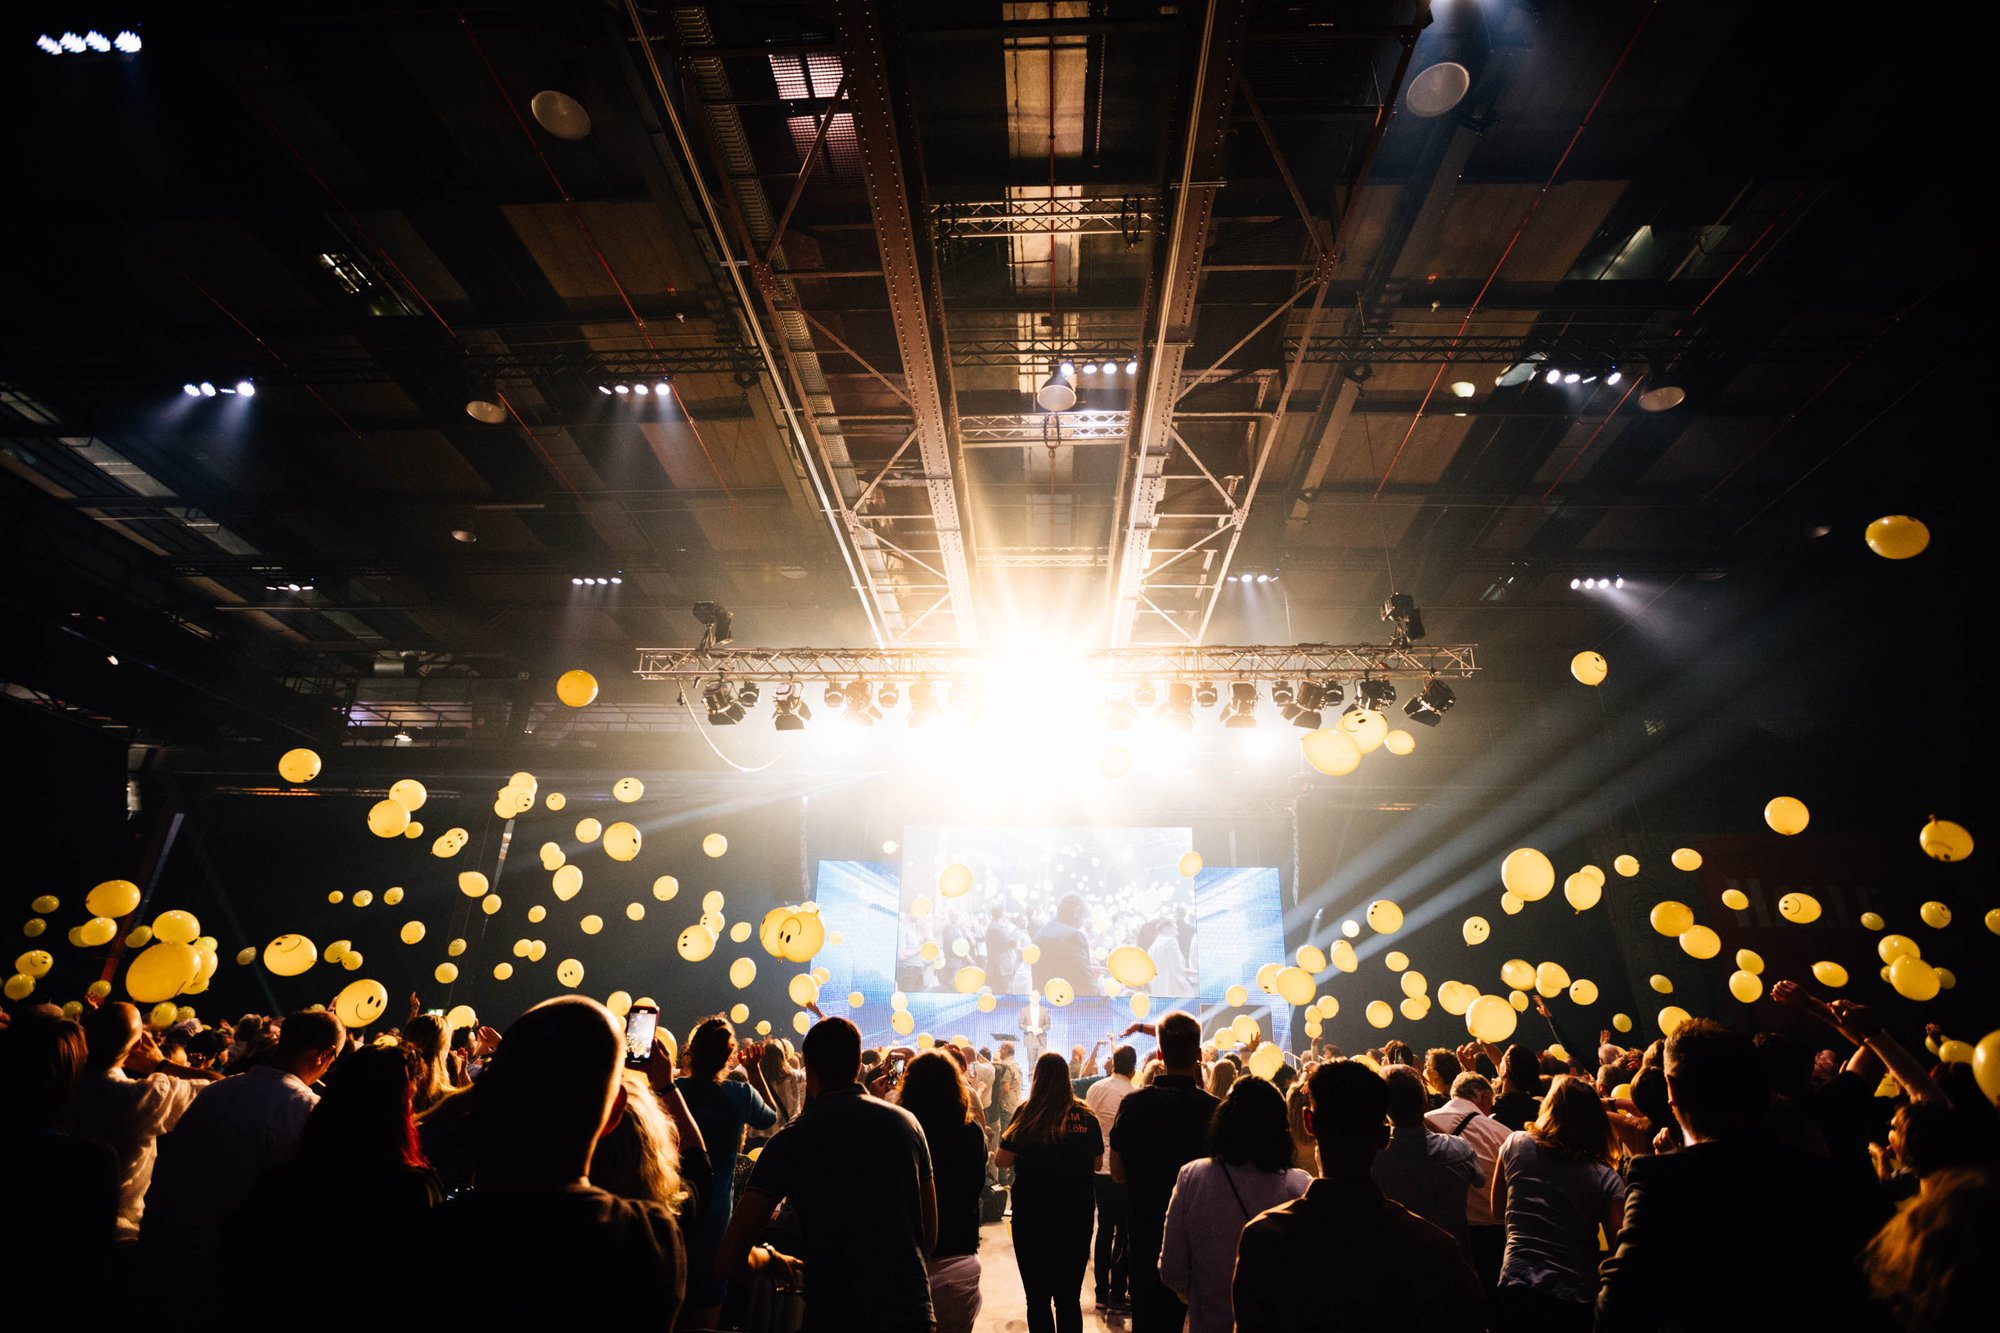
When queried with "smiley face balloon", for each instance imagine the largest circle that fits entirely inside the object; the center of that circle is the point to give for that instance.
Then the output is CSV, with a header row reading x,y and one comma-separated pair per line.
x,y
695,943
360,1003
1476,930
1058,992
621,841
290,955
450,842
627,790
569,972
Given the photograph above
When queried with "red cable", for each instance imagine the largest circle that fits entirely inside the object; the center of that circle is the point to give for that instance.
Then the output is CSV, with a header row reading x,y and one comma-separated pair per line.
x,y
577,216
528,431
1630,389
271,352
1526,218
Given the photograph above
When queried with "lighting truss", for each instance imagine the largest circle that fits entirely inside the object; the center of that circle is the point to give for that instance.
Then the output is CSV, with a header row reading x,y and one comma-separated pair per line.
x,y
1131,217
1218,665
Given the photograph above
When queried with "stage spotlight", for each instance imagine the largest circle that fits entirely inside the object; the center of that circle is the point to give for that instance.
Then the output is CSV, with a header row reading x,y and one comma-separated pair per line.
x,y
1144,696
1575,584
1303,708
748,693
71,43
889,695
97,41
1242,711
790,710
1373,696
642,389
1282,693
1405,622
662,389
1432,704
924,708
577,582
1132,367
1618,582
717,620
1090,367
1613,378
49,44
1553,377
604,389
1117,713
207,389
1058,391
1178,711
724,710
621,389
832,697
128,42
246,388
1572,377
191,390
859,706
1066,368
1206,695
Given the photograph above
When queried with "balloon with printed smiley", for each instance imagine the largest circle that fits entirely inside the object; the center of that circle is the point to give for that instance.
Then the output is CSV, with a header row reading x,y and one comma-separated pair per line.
x,y
290,955
450,842
621,841
360,1002
695,943
627,790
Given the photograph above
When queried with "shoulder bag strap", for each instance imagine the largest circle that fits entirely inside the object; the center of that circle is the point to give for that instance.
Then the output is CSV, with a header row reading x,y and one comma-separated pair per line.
x,y
1465,1120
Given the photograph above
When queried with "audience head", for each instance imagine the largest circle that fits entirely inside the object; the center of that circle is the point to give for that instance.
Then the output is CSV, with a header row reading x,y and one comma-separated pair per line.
x,y
111,1031
1440,1068
1930,1136
1124,1060
1649,1094
1787,1065
1250,1128
41,1056
1221,1078
935,1092
1043,1116
1070,910
1396,1052
1930,1264
832,1054
1519,1070
309,1043
1180,1041
363,1118
544,1098
710,1045
1475,1088
637,1156
1715,1080
1573,1121
1349,1118
1406,1095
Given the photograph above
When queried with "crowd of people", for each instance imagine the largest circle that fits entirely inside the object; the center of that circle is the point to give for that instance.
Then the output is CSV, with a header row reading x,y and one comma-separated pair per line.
x,y
1711,1179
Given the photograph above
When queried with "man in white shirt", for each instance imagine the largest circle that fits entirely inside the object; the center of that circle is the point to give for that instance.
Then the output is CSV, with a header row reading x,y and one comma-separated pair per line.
x,y
1469,1115
979,1073
125,1113
1110,1260
239,1130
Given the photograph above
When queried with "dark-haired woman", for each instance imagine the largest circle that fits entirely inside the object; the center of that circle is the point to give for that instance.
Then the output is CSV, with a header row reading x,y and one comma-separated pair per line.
x,y
935,1092
1054,1145
723,1108
1554,1186
1248,1169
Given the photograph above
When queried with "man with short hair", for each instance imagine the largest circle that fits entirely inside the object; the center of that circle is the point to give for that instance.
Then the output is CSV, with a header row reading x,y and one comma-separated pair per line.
x,y
536,1236
1065,949
858,1172
1737,1189
1111,1255
1469,1116
236,1133
1427,1172
127,1114
1371,1262
1160,1128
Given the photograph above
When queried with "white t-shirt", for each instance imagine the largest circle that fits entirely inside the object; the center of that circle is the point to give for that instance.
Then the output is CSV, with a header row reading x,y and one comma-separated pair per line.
x,y
128,1115
1104,1098
1485,1134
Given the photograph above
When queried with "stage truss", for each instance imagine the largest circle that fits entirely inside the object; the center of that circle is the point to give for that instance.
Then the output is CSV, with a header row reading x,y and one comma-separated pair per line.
x,y
1194,664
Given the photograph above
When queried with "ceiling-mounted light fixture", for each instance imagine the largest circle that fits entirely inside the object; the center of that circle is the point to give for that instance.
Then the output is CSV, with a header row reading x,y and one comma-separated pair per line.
x,y
724,709
1436,90
1662,398
1242,711
560,114
485,411
790,711
1058,391
1405,622
1178,711
717,620
1430,706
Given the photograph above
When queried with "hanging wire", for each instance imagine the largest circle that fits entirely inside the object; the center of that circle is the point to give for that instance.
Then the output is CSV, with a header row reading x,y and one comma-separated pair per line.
x,y
703,731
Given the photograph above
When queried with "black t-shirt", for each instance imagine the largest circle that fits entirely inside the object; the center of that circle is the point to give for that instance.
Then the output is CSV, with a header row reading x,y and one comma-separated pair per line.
x,y
508,1257
1054,1179
1516,1110
1065,954
852,1165
958,1161
1160,1129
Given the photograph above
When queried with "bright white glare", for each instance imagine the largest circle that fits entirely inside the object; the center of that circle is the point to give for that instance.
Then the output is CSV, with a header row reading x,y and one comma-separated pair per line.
x,y
1132,367
1464,388
1575,583
128,42
71,43
1572,377
620,389
1614,377
246,388
1067,368
207,389
1090,367
604,389
49,44
1590,583
1553,377
111,658
576,583
662,388
1263,578
642,389
618,580
97,41
191,390
1619,582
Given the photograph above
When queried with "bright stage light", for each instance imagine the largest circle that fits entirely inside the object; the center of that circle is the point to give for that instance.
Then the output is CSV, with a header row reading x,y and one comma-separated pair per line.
x,y
128,42
71,43
604,389
49,44
1132,367
97,41
207,389
1242,711
191,390
1614,377
1553,377
621,389
642,389
246,388
1572,377
1090,367
662,388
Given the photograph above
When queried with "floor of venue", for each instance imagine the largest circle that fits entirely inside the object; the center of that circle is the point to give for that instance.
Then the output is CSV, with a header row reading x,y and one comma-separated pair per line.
x,y
1004,1308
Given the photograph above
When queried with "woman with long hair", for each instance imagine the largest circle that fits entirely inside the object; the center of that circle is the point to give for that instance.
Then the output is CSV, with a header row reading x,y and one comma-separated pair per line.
x,y
638,1155
723,1108
935,1092
430,1039
1054,1145
1554,1186
1248,1169
70,1185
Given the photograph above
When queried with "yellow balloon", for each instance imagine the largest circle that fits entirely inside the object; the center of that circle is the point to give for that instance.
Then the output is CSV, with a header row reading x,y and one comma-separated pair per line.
x,y
1266,1060
621,841
568,880
35,963
576,688
1551,980
1351,929
161,972
1913,978
100,929
1583,991
1343,957
1745,986
114,897
351,960
968,980
386,819
1328,1006
33,926
742,972
536,949
1395,960
1476,930
569,972
1955,1052
176,927
695,943
1700,942
1490,1018
336,897
1671,1018
364,898
1749,960
412,932
552,856
1385,916
1829,974
415,830
1190,864
1786,815
1295,985
1935,915
1399,742
1456,997
392,896
298,765
1058,992
290,955
473,884
1310,957
19,986
455,948
1686,858
1582,892
1510,904
901,1022
164,1014
1622,1022
360,1003
450,842
1941,840
1663,984
1986,1064
593,923
1031,954
986,1002
1992,921
1589,668
1235,996
1799,908
714,845
1142,1004
800,941
1518,973
1897,537
555,800
1128,965
446,973
1331,751
1413,983
1379,1014
955,881
1527,874
1367,726
627,790
588,830
637,912
1671,918
1735,899
920,907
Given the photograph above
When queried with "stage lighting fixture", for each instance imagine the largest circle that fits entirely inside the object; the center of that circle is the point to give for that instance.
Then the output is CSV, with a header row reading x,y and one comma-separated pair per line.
x,y
924,708
1572,377
790,712
621,389
1242,711
128,42
662,389
859,703
49,44
1432,704
604,389
717,621
1067,368
71,43
1282,693
246,388
748,693
888,695
832,697
1206,695
1090,367
1304,711
1405,622
1553,377
642,389
402,737
1117,712
97,41
1373,696
724,710
1058,391
1132,367
1613,378
191,390
1178,711
207,389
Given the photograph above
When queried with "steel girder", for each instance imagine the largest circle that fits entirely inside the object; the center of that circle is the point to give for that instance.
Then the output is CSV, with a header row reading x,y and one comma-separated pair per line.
x,y
1192,663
